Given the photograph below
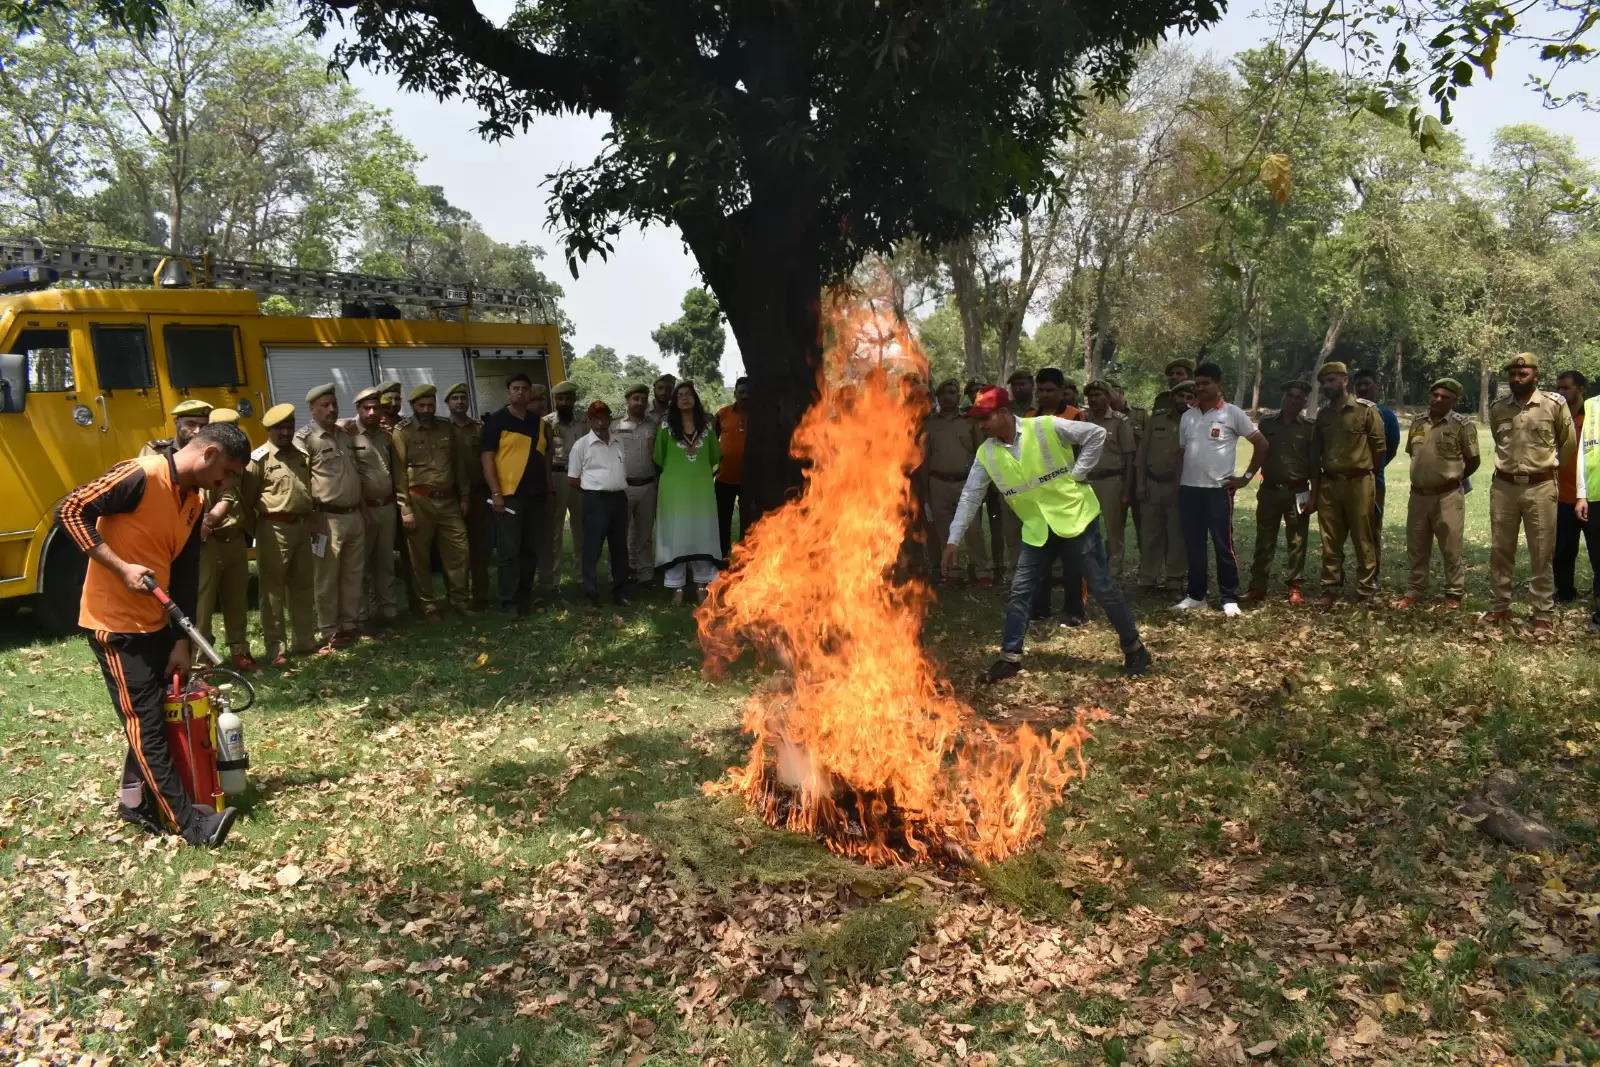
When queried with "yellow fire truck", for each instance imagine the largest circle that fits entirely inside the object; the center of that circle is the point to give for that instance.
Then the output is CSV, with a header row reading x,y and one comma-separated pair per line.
x,y
89,374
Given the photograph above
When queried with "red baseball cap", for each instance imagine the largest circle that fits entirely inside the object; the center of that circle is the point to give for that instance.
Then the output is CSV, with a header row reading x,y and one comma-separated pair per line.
x,y
987,401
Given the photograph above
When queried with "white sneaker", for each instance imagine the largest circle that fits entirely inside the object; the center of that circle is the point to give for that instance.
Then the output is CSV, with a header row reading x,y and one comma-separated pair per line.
x,y
1231,608
1188,603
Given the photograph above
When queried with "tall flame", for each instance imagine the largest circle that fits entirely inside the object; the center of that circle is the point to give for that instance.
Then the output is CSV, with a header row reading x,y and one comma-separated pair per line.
x,y
862,743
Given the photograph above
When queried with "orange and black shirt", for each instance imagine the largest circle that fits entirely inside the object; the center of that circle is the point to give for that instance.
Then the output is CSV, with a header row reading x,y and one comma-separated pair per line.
x,y
144,515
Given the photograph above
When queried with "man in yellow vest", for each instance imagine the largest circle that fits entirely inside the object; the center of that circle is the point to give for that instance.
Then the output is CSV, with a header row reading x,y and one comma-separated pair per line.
x,y
1589,484
1029,462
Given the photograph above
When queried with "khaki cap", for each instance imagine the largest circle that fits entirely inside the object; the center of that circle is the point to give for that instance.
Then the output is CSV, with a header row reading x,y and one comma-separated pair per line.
x,y
1182,361
1449,385
1099,384
1296,383
1522,359
1186,386
637,390
190,407
458,387
390,386
422,392
276,414
371,392
1332,367
1019,374
566,389
224,415
318,392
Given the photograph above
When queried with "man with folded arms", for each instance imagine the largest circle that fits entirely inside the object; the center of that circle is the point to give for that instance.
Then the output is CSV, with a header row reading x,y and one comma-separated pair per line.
x,y
1443,446
1347,445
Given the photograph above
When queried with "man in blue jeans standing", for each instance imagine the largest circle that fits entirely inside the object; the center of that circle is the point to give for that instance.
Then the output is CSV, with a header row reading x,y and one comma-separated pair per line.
x,y
1028,461
1208,435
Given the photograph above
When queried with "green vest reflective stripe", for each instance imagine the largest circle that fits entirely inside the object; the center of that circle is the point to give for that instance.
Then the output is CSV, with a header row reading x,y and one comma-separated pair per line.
x,y
1589,447
1038,483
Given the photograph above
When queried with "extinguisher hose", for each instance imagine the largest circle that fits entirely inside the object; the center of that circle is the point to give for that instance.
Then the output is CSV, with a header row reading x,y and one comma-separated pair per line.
x,y
217,677
181,621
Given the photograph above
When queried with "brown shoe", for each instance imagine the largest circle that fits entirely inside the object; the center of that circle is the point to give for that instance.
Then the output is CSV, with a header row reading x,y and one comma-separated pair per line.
x,y
280,660
1405,603
1543,626
1254,596
1295,596
1326,601
1452,603
1495,618
432,615
243,662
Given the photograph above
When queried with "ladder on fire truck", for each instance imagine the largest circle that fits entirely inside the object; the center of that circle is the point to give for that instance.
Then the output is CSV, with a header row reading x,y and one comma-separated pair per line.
x,y
122,266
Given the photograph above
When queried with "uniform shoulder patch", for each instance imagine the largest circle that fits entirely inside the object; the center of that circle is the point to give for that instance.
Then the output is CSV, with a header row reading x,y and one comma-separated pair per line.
x,y
1557,397
303,432
1460,417
261,453
1268,416
1307,419
1364,400
1117,415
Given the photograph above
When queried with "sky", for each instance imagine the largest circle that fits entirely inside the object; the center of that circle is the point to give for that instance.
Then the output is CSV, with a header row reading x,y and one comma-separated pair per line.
x,y
619,301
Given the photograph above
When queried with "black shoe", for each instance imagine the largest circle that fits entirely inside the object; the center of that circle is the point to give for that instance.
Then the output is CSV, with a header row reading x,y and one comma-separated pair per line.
x,y
144,817
1594,623
620,598
593,599
1039,618
1137,662
1001,669
210,827
1074,621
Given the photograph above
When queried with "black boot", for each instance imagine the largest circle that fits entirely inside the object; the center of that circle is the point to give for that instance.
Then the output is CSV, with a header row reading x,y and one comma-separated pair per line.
x,y
1001,669
144,817
210,827
1137,662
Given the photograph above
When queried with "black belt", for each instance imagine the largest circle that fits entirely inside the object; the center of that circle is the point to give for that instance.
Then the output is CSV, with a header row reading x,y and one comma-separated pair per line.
x,y
332,509
642,481
1100,476
1299,487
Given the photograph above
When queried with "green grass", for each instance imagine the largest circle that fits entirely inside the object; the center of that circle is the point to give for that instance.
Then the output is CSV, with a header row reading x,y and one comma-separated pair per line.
x,y
506,857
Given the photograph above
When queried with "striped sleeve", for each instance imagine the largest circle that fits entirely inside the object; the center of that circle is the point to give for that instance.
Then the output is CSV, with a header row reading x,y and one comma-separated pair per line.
x,y
117,490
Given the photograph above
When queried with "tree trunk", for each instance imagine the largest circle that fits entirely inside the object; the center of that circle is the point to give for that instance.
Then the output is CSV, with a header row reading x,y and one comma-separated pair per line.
x,y
1255,393
1242,329
1483,393
962,260
1399,370
1330,339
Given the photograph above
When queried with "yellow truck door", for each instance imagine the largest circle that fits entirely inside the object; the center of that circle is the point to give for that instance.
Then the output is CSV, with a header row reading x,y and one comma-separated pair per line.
x,y
200,359
128,407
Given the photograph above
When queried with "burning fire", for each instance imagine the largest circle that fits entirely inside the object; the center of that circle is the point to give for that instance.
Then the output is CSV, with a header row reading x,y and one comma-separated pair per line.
x,y
861,743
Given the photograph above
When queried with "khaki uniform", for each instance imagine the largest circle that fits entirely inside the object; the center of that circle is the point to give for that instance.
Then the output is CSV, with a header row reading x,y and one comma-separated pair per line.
x,y
336,499
225,566
1161,551
480,515
1287,474
949,444
283,546
1437,509
375,461
638,446
1345,445
430,475
163,447
1530,441
1107,479
567,500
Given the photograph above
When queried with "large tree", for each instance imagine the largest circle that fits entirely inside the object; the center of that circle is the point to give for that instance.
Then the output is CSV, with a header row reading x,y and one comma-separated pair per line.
x,y
695,338
784,141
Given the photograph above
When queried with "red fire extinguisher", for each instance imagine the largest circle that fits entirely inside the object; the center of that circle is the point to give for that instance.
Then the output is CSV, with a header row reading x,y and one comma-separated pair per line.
x,y
189,739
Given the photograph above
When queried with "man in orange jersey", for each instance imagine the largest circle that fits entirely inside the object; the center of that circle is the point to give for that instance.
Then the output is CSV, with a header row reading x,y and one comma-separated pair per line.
x,y
142,520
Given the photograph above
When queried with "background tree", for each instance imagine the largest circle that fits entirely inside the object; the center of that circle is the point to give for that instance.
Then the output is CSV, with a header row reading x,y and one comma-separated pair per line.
x,y
695,339
637,369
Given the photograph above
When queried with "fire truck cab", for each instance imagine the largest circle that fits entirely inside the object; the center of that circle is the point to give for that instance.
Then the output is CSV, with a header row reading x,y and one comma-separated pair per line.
x,y
90,374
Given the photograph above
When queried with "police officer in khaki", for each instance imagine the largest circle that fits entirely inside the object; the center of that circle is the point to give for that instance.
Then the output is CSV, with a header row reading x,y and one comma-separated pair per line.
x,y
374,450
1112,478
1443,446
1346,448
1533,432
281,481
1286,475
949,443
188,416
1177,371
431,480
338,529
565,429
1162,561
225,561
480,516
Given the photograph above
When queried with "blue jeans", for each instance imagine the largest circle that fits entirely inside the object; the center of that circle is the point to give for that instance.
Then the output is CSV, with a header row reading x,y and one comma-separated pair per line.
x,y
1088,549
1208,513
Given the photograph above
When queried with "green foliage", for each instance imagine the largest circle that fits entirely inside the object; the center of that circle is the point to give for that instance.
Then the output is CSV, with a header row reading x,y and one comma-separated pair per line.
x,y
695,338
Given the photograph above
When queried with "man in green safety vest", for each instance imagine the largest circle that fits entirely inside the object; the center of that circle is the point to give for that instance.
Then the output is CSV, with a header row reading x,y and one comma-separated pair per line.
x,y
1029,462
1589,485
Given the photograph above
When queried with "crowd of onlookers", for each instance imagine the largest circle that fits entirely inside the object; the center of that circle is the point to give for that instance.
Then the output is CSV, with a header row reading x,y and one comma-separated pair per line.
x,y
348,515
1171,473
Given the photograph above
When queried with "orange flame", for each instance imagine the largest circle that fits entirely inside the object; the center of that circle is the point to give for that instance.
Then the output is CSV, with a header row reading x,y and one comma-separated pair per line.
x,y
865,746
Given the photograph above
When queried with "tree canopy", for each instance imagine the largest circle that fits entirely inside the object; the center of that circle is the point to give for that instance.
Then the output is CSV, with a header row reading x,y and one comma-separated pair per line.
x,y
695,338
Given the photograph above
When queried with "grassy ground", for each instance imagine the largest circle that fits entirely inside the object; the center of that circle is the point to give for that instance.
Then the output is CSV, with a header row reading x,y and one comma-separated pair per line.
x,y
486,843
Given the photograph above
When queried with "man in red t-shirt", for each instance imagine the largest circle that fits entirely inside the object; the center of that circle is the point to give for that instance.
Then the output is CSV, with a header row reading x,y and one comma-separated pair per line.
x,y
730,429
142,520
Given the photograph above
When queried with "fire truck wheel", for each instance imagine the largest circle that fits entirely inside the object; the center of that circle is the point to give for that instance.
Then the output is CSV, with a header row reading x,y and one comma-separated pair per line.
x,y
64,570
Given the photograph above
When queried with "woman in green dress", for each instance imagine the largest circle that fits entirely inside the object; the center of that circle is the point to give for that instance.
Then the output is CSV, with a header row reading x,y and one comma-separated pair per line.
x,y
687,454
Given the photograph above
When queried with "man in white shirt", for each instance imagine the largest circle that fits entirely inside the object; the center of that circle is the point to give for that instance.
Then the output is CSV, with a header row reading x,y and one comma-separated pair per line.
x,y
1208,435
1031,462
597,466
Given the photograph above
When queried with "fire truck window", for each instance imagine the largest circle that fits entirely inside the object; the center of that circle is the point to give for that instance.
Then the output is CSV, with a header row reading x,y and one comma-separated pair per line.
x,y
201,356
122,357
49,356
